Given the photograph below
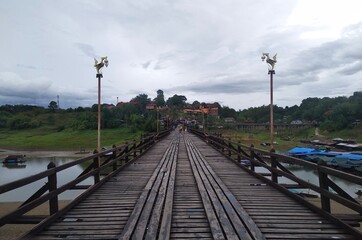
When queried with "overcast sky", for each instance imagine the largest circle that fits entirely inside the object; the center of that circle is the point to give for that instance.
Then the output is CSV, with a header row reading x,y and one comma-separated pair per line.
x,y
206,50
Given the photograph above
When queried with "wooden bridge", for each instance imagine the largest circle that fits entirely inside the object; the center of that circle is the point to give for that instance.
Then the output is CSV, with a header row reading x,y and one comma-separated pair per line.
x,y
187,186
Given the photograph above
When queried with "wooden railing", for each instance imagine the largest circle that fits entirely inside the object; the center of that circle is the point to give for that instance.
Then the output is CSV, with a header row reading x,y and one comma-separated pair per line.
x,y
273,163
106,163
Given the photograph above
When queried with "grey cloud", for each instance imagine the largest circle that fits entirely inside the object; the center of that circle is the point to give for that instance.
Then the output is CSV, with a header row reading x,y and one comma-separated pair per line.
x,y
87,49
330,55
224,84
352,68
26,66
146,64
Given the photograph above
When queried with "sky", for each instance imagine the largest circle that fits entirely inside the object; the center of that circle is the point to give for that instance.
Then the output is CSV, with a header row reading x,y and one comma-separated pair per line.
x,y
206,50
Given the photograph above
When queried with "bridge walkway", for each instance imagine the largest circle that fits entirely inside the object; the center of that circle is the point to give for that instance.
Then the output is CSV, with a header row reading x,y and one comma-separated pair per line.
x,y
184,189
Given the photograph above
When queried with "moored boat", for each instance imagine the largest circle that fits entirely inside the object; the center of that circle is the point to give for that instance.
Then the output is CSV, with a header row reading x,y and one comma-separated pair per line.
x,y
17,158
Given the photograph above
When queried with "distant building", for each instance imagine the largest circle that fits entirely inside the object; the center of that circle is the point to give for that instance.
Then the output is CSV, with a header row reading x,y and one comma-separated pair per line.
x,y
229,120
123,104
296,122
151,106
108,106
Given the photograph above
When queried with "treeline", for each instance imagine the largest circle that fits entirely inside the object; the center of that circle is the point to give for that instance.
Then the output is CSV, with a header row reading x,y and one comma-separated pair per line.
x,y
329,113
133,114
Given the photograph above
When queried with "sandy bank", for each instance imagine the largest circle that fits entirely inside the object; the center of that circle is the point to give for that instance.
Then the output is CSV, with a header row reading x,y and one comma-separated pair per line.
x,y
38,153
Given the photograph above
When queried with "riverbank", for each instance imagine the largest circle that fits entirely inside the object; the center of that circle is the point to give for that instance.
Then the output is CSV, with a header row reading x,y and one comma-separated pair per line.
x,y
13,231
40,153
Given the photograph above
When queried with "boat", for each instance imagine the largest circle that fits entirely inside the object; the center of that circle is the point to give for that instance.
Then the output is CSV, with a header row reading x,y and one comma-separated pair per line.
x,y
17,158
346,160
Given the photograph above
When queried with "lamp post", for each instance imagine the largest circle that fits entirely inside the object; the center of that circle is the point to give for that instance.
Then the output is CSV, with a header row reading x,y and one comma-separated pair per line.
x,y
99,65
271,62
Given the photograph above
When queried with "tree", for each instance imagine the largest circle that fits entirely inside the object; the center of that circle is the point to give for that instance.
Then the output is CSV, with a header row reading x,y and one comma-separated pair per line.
x,y
160,99
53,105
143,99
196,104
177,101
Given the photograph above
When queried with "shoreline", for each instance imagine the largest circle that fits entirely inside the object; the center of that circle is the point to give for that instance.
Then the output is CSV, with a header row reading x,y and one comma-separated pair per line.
x,y
44,153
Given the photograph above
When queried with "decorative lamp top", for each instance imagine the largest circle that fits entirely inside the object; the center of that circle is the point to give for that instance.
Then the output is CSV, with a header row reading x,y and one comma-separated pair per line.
x,y
270,61
99,65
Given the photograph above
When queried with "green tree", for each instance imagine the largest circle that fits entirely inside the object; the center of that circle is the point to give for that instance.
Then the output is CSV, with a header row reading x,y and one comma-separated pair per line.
x,y
53,105
176,101
143,99
160,99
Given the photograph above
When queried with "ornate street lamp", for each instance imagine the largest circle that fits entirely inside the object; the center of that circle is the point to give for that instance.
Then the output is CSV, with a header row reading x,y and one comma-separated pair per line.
x,y
271,62
99,65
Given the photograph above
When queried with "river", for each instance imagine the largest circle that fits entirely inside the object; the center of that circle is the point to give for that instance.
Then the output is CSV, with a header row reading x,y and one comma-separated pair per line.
x,y
10,173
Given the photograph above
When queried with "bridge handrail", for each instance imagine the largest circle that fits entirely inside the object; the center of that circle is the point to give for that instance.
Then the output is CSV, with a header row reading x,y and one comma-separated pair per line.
x,y
39,197
256,157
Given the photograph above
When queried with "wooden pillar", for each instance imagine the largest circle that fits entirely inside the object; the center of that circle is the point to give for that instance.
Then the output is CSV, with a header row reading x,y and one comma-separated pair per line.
x,y
52,183
252,157
274,166
134,149
126,152
239,151
96,165
114,156
323,177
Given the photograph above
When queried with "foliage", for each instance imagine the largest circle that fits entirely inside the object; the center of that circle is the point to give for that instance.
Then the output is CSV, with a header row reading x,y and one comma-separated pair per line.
x,y
53,105
176,101
160,99
331,113
22,122
143,99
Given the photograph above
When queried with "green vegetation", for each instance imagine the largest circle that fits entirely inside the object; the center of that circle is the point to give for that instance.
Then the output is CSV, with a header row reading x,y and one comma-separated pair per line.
x,y
42,139
34,127
294,136
331,114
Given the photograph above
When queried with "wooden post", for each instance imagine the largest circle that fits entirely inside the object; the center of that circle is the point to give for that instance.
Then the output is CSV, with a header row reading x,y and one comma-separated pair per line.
x,y
239,151
96,165
229,146
126,152
52,181
274,165
114,156
323,177
252,157
141,144
134,149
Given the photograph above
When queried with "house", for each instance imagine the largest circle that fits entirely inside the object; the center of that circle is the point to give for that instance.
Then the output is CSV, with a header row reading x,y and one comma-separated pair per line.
x,y
151,106
229,120
296,122
123,104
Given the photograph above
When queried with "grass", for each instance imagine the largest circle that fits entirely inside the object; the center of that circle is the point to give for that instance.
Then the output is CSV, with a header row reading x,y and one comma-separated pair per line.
x,y
258,137
47,139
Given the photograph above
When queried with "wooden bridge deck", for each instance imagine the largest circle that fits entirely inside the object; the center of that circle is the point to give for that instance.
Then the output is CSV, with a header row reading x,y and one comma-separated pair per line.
x,y
183,189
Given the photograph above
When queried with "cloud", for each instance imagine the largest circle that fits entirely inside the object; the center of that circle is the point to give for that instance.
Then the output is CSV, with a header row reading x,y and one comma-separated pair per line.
x,y
206,49
352,68
87,49
146,64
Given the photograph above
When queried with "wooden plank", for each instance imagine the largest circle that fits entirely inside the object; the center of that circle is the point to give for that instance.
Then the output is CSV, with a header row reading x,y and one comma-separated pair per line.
x,y
165,227
243,223
216,229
